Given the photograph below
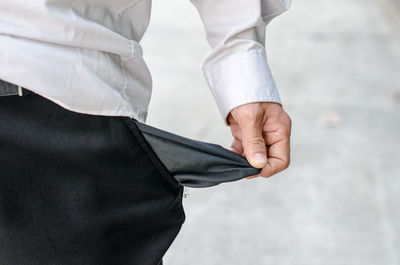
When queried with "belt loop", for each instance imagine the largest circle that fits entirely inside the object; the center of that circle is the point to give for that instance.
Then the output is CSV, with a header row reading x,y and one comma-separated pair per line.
x,y
20,91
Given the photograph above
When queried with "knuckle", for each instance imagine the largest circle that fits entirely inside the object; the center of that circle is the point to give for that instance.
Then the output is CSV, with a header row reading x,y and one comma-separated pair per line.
x,y
280,167
284,165
285,120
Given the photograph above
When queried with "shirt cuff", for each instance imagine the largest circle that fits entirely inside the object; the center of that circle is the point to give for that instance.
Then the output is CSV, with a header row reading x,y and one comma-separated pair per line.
x,y
241,78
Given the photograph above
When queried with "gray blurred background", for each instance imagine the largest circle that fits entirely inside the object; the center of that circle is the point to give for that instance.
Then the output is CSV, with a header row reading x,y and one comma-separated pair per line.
x,y
337,66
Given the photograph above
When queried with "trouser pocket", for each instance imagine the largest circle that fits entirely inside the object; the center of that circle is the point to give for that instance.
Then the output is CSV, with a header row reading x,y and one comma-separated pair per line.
x,y
189,162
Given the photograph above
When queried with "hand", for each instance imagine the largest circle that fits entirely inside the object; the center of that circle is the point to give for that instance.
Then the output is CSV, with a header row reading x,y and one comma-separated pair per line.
x,y
261,133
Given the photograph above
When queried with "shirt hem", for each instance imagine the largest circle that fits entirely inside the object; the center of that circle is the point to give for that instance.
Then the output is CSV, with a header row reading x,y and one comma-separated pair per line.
x,y
97,112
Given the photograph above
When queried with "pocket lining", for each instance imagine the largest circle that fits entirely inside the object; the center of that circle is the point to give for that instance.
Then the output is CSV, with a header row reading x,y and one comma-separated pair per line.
x,y
145,146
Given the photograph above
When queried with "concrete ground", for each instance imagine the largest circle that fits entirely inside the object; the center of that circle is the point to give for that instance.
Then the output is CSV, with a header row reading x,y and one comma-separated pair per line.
x,y
337,65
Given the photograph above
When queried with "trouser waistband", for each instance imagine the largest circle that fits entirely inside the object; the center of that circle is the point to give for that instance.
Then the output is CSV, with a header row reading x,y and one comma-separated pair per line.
x,y
9,89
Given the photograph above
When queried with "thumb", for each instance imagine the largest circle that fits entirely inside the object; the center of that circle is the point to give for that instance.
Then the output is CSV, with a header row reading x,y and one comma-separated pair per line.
x,y
253,144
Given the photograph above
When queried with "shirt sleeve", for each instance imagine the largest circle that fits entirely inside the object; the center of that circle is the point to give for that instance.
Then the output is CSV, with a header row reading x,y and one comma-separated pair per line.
x,y
236,67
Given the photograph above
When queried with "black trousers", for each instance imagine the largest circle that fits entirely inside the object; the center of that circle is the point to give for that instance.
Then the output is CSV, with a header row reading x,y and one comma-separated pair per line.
x,y
80,189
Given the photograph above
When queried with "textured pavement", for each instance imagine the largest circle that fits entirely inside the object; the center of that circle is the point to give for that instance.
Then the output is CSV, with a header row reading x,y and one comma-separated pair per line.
x,y
337,66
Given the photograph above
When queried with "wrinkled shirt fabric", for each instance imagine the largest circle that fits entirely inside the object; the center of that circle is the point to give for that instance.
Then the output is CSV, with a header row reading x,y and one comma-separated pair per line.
x,y
86,56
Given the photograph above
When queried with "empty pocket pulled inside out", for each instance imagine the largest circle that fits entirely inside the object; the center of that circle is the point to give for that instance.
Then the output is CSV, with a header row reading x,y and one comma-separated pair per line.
x,y
194,163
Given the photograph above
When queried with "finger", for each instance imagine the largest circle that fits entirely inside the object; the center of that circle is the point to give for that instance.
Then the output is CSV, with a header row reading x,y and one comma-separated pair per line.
x,y
237,146
253,176
278,158
259,174
275,132
253,143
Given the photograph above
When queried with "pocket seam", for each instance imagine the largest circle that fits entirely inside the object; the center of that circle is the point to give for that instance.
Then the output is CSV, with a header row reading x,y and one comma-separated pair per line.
x,y
152,156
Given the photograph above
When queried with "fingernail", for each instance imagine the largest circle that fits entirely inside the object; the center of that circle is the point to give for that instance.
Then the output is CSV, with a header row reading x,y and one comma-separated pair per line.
x,y
259,160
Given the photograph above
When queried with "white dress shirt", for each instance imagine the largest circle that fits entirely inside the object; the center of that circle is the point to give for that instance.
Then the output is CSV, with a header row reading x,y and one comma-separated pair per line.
x,y
85,54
